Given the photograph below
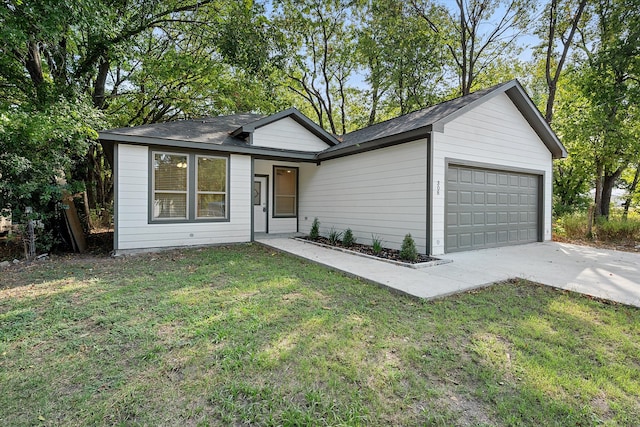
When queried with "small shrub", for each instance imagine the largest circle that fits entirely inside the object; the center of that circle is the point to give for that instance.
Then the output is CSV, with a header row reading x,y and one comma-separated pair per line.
x,y
572,226
618,230
347,238
334,236
315,229
376,244
408,251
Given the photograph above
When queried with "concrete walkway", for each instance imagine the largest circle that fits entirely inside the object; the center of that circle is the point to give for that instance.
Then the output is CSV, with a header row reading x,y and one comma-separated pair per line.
x,y
602,273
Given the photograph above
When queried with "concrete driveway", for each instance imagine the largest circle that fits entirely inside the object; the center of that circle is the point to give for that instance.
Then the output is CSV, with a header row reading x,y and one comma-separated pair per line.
x,y
608,274
601,273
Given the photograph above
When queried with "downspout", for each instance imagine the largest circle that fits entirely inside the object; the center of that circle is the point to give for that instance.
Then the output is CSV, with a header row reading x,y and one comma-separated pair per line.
x,y
429,195
251,184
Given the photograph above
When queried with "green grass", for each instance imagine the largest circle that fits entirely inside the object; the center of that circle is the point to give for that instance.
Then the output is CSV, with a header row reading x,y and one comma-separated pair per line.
x,y
242,335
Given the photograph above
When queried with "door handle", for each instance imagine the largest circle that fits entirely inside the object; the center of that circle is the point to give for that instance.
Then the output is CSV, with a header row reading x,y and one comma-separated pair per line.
x,y
264,209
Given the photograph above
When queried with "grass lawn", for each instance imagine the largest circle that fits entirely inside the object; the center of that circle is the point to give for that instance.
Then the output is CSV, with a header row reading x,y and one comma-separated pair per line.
x,y
243,335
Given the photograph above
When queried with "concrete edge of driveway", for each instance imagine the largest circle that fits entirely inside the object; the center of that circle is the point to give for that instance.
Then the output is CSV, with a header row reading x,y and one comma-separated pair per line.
x,y
341,270
599,273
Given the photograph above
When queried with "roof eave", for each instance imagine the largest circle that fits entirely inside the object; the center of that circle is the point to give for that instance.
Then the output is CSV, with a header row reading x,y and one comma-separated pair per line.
x,y
261,152
401,138
530,112
516,93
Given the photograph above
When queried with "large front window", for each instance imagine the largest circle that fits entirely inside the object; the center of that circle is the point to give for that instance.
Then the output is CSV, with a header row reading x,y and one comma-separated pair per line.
x,y
189,187
285,191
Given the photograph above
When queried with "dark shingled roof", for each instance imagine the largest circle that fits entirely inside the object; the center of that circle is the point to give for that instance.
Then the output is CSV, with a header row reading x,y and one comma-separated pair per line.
x,y
210,130
410,121
230,132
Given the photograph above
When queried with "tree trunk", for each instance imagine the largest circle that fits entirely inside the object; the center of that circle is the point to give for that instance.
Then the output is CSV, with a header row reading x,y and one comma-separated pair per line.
x,y
598,196
608,182
632,189
99,84
33,64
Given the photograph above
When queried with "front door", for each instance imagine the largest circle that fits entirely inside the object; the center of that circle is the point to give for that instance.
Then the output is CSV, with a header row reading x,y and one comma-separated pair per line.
x,y
260,208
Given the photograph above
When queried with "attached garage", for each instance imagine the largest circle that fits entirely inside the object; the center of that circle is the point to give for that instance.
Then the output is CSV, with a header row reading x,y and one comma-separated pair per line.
x,y
489,207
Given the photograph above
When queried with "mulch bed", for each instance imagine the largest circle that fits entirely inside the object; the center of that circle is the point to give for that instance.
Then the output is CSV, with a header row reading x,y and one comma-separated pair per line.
x,y
390,254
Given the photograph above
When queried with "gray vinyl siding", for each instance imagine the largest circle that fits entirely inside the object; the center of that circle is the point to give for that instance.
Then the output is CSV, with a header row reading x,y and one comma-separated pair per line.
x,y
381,192
287,134
495,134
134,230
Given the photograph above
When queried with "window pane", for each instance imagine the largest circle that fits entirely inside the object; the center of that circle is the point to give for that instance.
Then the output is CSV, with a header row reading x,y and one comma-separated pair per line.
x,y
285,189
286,205
286,181
211,206
257,192
170,172
212,174
170,205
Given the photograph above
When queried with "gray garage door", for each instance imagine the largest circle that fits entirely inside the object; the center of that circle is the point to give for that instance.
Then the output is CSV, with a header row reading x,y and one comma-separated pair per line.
x,y
488,208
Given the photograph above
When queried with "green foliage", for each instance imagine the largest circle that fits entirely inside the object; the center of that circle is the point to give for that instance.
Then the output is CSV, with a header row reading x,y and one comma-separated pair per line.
x,y
615,230
618,230
376,244
40,148
408,251
347,238
334,236
572,225
402,57
598,114
315,229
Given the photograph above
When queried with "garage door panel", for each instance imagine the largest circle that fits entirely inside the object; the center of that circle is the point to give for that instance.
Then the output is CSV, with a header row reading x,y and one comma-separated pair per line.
x,y
488,208
464,240
491,237
464,218
464,197
479,218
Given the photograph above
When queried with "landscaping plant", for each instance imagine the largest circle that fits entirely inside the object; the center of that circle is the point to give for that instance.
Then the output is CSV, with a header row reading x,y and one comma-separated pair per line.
x,y
315,229
408,251
347,238
334,236
376,244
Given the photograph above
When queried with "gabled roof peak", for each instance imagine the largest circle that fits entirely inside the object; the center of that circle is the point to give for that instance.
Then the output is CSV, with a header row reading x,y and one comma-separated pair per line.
x,y
293,113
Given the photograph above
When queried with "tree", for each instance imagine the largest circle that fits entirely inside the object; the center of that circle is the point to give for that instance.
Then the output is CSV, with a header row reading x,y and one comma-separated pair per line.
x,y
473,49
38,149
564,18
403,60
316,45
610,79
630,180
97,50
